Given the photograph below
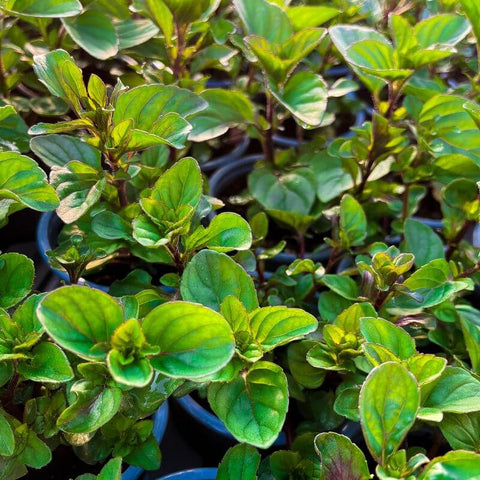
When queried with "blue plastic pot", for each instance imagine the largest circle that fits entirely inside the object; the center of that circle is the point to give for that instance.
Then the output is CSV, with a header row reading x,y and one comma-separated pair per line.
x,y
160,420
47,232
48,229
194,474
211,422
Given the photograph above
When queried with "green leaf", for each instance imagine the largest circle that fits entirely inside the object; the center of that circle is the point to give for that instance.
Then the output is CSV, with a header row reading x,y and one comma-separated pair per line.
x,y
213,57
253,407
112,470
275,326
343,36
59,127
353,222
35,454
133,32
278,62
79,187
137,372
226,109
306,16
48,364
457,465
292,192
94,32
44,8
16,278
240,462
80,320
446,113
426,367
111,226
159,13
445,29
341,459
383,332
377,58
146,456
341,285
60,149
332,175
194,341
453,166
346,403
24,183
389,402
434,274
331,304
305,97
210,277
13,130
226,232
462,431
469,321
258,16
158,113
301,371
188,11
180,185
90,411
7,439
423,242
472,11
349,318
455,391
58,72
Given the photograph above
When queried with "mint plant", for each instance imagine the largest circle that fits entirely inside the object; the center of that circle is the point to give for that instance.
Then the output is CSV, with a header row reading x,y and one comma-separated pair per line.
x,y
114,360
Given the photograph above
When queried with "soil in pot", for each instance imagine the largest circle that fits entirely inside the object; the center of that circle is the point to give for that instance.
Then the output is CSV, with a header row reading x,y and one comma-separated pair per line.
x,y
65,465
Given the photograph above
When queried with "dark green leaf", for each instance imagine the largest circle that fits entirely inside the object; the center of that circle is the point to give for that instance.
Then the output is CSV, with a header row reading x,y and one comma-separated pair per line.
x,y
80,319
423,242
211,277
240,462
16,278
389,402
194,341
253,407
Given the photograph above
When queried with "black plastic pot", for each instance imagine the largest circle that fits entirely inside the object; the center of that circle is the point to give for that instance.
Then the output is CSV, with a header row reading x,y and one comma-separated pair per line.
x,y
228,158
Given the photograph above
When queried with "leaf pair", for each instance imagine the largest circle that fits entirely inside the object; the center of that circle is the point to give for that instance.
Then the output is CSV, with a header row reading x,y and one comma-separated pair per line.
x,y
91,324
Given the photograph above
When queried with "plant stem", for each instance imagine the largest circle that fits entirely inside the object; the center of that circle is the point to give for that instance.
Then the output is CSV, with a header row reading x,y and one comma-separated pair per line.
x,y
469,272
382,299
301,244
393,96
122,192
3,87
299,137
270,116
172,155
177,64
332,259
367,172
453,244
405,201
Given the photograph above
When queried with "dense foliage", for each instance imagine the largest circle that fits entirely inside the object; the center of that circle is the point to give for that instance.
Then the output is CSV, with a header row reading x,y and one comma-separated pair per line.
x,y
325,286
